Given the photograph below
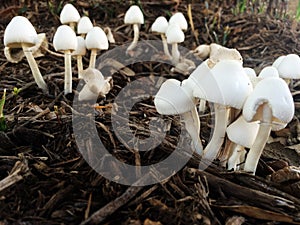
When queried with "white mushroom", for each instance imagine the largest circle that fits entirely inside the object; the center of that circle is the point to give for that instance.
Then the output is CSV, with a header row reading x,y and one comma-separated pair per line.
x,y
20,33
174,36
179,19
175,97
95,41
95,85
69,15
134,16
65,41
270,103
160,26
288,67
202,51
84,25
79,53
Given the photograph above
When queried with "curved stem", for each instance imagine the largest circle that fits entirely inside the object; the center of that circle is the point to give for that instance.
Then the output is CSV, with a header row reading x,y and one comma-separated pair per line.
x,y
68,73
79,66
35,69
93,58
235,156
217,139
260,141
175,54
165,45
136,34
192,125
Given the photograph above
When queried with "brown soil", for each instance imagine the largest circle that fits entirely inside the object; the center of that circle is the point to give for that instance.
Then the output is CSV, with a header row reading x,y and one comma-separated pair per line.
x,y
51,182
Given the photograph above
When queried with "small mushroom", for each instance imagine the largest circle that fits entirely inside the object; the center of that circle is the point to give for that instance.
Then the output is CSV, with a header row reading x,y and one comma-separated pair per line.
x,y
79,53
65,41
288,67
174,98
179,19
84,25
271,103
20,33
174,36
95,41
134,16
160,26
69,15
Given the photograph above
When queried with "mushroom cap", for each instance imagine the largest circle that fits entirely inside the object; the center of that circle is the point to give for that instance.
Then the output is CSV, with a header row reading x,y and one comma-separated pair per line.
x,y
69,14
250,72
242,132
134,15
288,67
96,39
18,31
226,83
84,25
81,49
173,98
65,39
268,71
218,53
275,92
179,19
202,51
160,25
174,34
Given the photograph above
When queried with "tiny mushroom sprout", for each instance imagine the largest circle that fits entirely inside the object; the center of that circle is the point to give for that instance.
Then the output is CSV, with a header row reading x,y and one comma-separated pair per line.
x,y
95,85
174,36
174,98
20,33
271,104
134,16
288,67
95,40
179,19
84,25
69,15
241,134
160,26
79,52
65,41
226,85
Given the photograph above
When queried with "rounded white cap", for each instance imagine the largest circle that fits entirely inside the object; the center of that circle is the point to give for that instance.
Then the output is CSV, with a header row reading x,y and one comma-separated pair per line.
x,y
69,14
202,51
250,72
64,39
179,19
173,98
288,67
242,132
84,25
160,25
134,15
19,30
226,83
268,71
275,92
174,34
96,39
81,49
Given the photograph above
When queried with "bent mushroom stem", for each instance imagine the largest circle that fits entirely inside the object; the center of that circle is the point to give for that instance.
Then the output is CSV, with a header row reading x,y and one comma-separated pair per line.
x,y
165,45
68,73
136,34
175,54
35,69
79,66
93,58
216,141
260,141
192,125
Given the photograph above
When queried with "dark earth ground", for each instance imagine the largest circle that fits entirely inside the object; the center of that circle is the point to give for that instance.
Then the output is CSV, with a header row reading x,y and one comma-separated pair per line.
x,y
52,183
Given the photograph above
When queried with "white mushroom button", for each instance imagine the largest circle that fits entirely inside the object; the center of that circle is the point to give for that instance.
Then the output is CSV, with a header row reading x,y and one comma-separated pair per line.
x,y
65,41
135,17
270,103
288,66
69,15
174,98
174,36
84,25
179,19
20,33
96,40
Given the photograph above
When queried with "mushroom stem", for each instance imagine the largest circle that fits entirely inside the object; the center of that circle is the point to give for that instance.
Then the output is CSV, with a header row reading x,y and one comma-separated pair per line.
x,y
165,45
79,66
202,105
35,69
72,25
192,125
175,53
260,140
93,58
235,156
68,72
136,34
216,141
